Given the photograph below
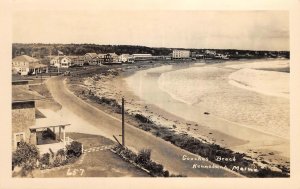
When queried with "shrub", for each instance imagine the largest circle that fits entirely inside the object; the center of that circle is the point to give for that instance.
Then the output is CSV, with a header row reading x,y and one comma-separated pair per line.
x,y
143,160
25,156
74,149
57,162
145,126
128,154
143,157
166,174
155,169
59,158
61,152
143,118
45,160
69,160
174,175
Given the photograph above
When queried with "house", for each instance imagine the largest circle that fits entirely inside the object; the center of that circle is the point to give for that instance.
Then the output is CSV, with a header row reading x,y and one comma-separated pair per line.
x,y
26,65
181,54
101,57
61,61
193,54
91,59
27,126
65,62
111,58
23,116
210,54
200,56
23,112
125,58
115,57
54,61
221,56
78,60
108,58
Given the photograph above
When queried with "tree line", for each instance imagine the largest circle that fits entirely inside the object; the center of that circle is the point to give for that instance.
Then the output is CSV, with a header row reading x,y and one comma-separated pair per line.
x,y
40,50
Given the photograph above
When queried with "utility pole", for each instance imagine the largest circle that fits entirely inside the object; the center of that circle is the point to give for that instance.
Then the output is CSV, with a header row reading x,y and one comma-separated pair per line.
x,y
123,124
123,127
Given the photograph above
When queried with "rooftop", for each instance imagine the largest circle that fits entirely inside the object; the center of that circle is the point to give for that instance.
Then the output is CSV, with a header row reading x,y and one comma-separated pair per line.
x,y
19,93
25,58
52,120
112,54
141,54
37,65
92,55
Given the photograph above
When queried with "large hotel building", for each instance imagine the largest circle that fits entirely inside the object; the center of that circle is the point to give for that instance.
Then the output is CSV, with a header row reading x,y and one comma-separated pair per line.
x,y
179,54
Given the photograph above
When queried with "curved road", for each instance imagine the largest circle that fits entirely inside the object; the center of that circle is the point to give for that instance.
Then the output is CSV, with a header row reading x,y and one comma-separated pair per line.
x,y
162,151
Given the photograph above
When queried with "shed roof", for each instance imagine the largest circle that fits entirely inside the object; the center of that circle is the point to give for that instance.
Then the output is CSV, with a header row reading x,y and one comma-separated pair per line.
x,y
92,55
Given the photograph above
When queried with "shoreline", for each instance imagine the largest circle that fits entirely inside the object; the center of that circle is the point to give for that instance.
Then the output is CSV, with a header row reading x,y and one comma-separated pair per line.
x,y
247,125
164,116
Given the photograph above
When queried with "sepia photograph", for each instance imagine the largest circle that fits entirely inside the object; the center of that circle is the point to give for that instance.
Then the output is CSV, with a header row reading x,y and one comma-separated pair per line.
x,y
140,94
110,92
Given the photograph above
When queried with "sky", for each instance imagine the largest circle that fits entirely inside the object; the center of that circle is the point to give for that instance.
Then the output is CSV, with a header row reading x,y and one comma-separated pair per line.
x,y
253,30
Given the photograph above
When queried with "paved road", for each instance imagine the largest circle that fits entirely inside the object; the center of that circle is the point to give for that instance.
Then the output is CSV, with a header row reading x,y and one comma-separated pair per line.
x,y
162,152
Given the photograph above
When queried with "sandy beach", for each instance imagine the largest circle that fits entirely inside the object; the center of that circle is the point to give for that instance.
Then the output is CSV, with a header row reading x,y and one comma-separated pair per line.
x,y
177,97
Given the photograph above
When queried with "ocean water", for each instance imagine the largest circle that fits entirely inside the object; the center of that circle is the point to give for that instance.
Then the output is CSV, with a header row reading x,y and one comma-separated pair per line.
x,y
189,91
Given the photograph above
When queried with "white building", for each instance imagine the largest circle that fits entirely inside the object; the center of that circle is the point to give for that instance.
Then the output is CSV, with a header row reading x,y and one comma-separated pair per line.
x,y
26,65
222,56
54,61
115,57
142,57
210,52
65,62
125,57
61,62
77,60
92,59
181,54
